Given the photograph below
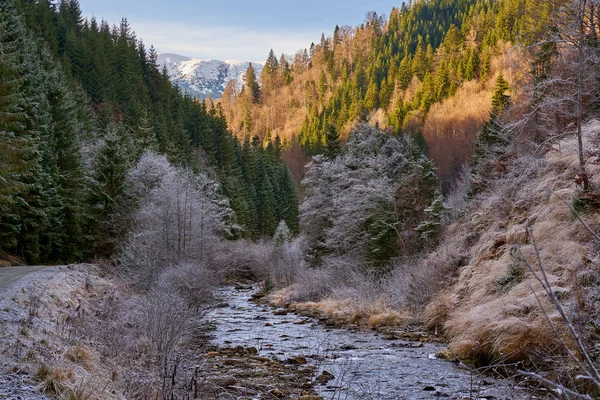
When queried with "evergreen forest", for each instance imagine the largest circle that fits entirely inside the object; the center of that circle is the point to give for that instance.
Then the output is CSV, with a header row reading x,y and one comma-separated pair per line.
x,y
81,103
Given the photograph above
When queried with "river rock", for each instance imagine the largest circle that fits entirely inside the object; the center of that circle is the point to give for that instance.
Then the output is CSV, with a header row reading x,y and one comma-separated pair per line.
x,y
445,354
226,382
243,390
325,377
260,359
299,360
241,286
234,361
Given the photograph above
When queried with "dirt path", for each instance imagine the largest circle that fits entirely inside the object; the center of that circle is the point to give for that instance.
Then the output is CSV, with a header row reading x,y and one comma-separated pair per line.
x,y
14,284
10,275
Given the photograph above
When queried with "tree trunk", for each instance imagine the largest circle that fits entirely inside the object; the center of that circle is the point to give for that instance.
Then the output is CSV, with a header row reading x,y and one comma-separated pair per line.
x,y
579,105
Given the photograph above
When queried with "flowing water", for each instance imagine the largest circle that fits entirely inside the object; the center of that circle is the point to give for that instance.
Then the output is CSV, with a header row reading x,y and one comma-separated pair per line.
x,y
364,365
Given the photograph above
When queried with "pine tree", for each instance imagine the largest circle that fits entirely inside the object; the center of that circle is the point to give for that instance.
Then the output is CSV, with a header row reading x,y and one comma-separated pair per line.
x,y
110,170
472,66
21,213
491,140
430,229
332,138
282,234
272,64
372,96
266,206
252,84
70,174
500,99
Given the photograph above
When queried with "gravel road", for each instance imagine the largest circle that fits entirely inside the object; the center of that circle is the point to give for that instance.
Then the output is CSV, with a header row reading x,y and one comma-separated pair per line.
x,y
10,275
16,386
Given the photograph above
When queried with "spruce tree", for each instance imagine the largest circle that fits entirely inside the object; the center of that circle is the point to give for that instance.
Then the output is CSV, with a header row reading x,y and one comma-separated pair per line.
x,y
272,64
252,84
491,140
110,170
21,212
332,146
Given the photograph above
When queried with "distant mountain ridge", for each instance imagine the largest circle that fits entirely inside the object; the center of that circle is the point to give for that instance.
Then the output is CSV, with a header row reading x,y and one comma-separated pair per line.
x,y
204,78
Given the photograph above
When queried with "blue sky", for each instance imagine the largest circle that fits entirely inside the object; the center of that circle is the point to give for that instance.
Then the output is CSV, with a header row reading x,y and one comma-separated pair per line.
x,y
233,29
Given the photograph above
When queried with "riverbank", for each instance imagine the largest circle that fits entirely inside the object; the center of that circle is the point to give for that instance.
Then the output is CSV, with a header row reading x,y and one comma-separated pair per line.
x,y
347,314
65,333
56,325
351,363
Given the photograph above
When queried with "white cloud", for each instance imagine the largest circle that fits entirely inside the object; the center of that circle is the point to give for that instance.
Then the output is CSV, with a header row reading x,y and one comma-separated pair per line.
x,y
222,43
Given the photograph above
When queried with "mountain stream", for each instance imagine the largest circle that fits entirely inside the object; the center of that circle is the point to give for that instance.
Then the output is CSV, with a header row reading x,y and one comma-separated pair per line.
x,y
351,364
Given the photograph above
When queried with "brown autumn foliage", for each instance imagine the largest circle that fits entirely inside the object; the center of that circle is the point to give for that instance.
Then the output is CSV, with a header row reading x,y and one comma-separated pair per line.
x,y
451,127
303,82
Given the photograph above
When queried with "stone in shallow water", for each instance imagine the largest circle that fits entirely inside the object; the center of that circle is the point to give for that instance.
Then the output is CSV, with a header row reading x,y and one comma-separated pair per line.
x,y
299,360
388,367
445,354
324,377
227,381
311,397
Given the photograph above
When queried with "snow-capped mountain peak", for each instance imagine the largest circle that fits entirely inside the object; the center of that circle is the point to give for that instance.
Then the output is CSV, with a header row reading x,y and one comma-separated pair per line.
x,y
205,77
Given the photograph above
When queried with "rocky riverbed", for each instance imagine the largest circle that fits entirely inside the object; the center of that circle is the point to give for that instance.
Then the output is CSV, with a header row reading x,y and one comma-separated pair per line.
x,y
266,352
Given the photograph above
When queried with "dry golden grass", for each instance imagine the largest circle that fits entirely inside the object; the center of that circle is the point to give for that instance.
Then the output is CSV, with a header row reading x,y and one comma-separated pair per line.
x,y
56,380
282,297
438,311
346,311
82,356
486,321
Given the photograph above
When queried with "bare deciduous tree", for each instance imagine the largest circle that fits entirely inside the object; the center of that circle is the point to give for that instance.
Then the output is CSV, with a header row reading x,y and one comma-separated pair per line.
x,y
567,72
180,216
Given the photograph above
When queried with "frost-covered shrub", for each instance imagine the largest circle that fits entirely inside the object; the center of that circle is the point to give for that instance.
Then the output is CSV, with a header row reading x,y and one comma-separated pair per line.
x,y
286,262
368,203
179,217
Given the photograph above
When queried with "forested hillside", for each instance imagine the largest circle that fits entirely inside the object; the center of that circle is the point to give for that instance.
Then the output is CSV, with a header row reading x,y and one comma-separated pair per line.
x,y
448,157
81,101
502,97
427,71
